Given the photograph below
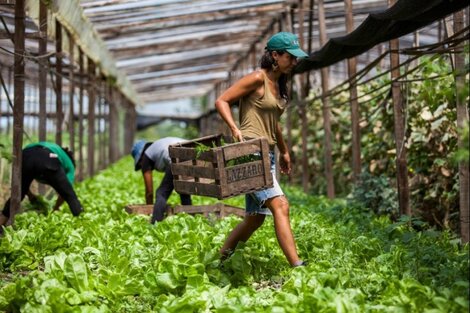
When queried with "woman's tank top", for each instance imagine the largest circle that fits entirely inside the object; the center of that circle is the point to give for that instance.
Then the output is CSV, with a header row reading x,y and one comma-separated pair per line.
x,y
259,115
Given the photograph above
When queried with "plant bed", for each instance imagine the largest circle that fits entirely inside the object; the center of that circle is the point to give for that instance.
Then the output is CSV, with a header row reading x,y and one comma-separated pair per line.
x,y
209,167
219,210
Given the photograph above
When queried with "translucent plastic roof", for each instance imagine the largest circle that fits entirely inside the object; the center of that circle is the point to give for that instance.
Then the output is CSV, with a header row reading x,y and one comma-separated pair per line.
x,y
170,52
173,49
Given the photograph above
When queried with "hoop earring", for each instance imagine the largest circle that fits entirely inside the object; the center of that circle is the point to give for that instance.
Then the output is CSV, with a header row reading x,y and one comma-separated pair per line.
x,y
275,66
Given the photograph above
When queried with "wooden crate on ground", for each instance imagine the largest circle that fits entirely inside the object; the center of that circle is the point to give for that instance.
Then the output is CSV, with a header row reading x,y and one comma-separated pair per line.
x,y
220,210
208,167
146,209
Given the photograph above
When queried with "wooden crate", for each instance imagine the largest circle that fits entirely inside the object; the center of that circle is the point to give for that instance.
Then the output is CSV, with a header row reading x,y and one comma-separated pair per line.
x,y
217,171
146,209
219,210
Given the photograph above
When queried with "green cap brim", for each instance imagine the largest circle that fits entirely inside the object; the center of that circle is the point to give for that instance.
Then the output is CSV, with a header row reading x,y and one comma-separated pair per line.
x,y
298,53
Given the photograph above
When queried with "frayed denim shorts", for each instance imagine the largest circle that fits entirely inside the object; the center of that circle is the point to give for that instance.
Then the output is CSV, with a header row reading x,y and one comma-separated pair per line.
x,y
254,202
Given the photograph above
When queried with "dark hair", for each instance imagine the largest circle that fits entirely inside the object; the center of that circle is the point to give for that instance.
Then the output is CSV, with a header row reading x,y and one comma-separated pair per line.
x,y
70,154
267,62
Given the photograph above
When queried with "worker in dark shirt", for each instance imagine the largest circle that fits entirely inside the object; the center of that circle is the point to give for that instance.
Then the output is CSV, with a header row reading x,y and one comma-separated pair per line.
x,y
150,156
49,164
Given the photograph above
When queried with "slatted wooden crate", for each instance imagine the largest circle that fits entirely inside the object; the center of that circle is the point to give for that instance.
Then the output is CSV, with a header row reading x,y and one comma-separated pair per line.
x,y
222,170
145,209
219,210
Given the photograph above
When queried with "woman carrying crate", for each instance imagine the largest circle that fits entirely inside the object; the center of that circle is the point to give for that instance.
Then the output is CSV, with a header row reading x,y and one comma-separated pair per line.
x,y
262,97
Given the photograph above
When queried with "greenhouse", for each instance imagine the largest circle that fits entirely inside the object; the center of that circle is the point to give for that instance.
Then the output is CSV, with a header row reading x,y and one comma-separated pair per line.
x,y
234,156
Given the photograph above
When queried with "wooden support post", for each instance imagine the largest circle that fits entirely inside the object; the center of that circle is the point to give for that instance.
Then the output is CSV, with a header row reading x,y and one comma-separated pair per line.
x,y
462,121
415,62
99,121
449,32
399,125
91,117
80,114
71,92
18,108
28,91
104,144
439,31
356,132
113,125
303,106
416,39
326,107
286,23
42,69
310,40
131,115
1,91
58,79
9,87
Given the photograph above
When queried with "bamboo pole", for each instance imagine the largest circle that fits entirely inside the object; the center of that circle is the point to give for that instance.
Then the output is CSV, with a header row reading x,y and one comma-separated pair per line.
x,y
462,121
356,131
326,107
18,109
399,127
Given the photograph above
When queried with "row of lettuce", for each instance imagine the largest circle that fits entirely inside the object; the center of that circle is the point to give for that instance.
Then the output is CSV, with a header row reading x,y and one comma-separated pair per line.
x,y
109,261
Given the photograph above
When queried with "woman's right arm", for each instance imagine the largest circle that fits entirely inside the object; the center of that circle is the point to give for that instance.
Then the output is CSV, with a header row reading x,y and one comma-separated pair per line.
x,y
243,87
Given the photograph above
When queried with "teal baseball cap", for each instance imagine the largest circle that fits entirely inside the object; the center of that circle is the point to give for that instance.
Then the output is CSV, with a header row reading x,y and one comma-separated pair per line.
x,y
287,42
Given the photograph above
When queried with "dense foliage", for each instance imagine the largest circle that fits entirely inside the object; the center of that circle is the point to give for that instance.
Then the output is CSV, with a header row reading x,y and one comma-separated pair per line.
x,y
431,140
109,261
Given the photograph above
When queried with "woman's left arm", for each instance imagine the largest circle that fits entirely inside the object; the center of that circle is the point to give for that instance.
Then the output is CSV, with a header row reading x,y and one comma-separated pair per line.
x,y
284,157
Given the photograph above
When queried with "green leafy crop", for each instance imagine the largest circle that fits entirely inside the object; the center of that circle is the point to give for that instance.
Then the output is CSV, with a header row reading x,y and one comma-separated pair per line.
x,y
106,260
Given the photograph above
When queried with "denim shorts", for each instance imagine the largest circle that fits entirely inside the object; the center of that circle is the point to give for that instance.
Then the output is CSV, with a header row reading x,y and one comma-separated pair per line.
x,y
254,202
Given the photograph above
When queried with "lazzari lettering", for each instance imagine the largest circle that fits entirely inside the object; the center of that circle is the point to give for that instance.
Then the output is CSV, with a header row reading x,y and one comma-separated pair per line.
x,y
241,173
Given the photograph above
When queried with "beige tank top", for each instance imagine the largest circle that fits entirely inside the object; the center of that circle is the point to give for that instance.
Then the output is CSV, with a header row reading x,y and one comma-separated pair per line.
x,y
259,115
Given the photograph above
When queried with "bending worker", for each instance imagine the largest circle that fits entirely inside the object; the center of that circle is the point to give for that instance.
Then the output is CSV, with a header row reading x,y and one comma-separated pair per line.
x,y
155,156
49,164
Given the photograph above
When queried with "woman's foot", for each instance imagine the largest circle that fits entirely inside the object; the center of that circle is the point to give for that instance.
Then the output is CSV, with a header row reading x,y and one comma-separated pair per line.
x,y
300,263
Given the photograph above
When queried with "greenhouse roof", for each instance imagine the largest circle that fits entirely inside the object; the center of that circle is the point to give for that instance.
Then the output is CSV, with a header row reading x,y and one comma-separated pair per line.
x,y
166,50
179,49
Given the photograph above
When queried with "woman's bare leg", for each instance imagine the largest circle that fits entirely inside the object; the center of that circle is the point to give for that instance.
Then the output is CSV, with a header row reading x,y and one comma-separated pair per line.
x,y
242,232
279,206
